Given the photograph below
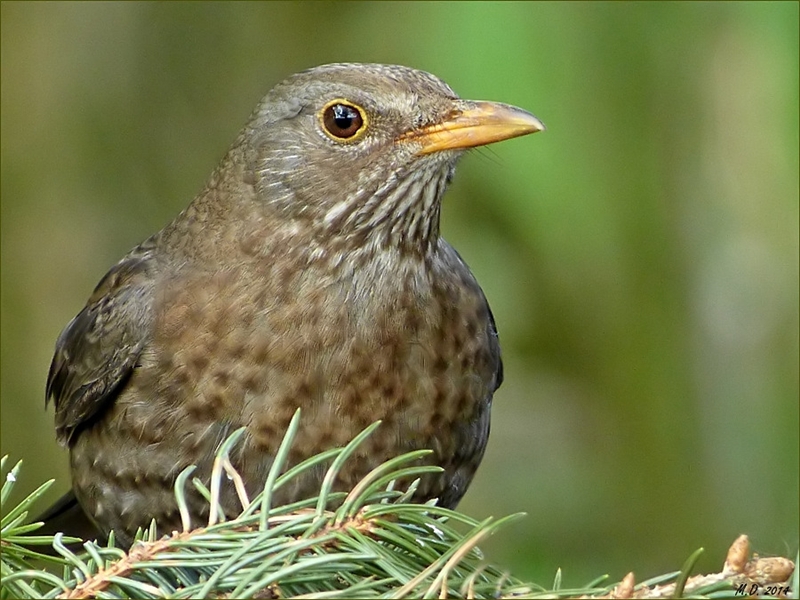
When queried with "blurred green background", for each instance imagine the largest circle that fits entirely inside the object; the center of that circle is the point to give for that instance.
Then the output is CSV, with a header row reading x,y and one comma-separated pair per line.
x,y
641,255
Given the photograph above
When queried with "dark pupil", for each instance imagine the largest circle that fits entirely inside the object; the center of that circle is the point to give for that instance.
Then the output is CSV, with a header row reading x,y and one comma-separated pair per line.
x,y
342,121
343,116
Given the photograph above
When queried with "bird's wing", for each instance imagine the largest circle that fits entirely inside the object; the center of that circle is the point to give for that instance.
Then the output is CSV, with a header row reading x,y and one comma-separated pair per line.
x,y
98,350
454,263
498,374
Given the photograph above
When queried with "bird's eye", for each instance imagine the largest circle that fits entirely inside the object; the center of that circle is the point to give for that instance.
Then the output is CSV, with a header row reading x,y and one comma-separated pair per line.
x,y
342,120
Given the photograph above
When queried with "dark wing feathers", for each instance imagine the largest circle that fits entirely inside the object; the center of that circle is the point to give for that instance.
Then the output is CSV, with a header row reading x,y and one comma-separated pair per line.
x,y
99,348
498,375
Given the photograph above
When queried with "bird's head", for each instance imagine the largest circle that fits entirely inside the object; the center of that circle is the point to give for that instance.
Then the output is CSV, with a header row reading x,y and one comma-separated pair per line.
x,y
362,152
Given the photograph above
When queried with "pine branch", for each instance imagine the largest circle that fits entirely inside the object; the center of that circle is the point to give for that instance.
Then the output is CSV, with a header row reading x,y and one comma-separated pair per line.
x,y
375,543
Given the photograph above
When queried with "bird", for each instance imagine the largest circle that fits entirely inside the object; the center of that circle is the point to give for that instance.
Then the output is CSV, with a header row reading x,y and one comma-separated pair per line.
x,y
308,273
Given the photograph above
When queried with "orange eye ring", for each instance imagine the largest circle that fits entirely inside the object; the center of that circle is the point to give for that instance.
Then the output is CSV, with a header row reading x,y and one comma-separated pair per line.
x,y
343,121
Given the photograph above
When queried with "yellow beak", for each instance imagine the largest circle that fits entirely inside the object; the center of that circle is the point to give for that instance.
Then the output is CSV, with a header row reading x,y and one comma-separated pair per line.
x,y
478,124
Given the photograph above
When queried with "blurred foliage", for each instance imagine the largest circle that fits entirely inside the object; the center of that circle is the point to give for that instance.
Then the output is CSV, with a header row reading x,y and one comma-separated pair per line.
x,y
641,255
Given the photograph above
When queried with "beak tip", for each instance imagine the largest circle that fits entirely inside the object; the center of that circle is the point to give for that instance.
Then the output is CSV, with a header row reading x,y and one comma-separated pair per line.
x,y
534,123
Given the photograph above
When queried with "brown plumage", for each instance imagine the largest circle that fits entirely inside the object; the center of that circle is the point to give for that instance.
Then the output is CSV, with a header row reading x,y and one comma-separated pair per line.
x,y
308,273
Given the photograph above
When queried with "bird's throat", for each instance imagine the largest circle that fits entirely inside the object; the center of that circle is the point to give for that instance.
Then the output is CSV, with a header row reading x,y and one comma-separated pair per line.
x,y
402,215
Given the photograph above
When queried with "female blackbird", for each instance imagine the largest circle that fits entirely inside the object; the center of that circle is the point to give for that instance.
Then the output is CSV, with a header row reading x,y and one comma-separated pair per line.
x,y
308,273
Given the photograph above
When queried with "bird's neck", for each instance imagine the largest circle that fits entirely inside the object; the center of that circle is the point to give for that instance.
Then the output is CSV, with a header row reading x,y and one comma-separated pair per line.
x,y
396,217
400,215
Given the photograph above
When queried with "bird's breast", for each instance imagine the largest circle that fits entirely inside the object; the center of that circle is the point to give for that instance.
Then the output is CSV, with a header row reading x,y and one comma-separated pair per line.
x,y
247,346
